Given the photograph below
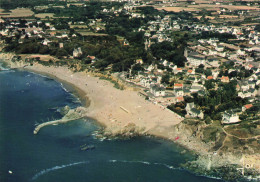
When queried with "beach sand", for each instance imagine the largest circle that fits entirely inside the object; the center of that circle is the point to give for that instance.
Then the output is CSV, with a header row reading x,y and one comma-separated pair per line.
x,y
118,109
115,109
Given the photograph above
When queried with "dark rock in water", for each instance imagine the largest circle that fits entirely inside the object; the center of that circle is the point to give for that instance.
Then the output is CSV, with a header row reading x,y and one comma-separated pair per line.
x,y
87,147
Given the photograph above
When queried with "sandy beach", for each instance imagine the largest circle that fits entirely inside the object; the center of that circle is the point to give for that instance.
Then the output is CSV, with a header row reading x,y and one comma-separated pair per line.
x,y
115,109
119,110
124,112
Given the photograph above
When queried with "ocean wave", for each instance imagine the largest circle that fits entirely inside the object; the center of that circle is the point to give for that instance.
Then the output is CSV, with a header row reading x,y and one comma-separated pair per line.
x,y
7,71
170,167
38,74
3,68
56,168
146,163
62,86
210,177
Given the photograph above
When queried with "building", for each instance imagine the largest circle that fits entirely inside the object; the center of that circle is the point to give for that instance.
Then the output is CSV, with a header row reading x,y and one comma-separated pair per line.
x,y
157,90
193,112
195,59
230,117
77,52
245,107
178,92
178,85
224,79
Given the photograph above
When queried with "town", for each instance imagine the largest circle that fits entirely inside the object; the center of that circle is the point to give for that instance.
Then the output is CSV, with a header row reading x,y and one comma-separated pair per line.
x,y
213,72
197,60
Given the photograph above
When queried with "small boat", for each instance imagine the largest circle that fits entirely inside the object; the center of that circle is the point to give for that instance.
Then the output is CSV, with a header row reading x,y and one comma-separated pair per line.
x,y
87,147
10,172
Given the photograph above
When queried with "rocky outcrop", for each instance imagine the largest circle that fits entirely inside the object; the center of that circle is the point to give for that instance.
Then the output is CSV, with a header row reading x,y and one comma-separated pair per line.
x,y
128,131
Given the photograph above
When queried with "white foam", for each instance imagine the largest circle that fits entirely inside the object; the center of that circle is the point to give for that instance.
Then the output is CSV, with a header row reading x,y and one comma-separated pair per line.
x,y
56,168
3,68
112,160
7,71
148,163
62,86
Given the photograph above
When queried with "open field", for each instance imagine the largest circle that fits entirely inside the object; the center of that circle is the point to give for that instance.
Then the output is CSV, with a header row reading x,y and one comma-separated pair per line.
x,y
228,16
44,15
78,26
20,12
177,9
87,33
230,7
209,7
209,17
42,57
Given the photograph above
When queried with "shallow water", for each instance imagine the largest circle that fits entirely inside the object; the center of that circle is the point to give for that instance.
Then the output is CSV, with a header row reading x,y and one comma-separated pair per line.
x,y
54,154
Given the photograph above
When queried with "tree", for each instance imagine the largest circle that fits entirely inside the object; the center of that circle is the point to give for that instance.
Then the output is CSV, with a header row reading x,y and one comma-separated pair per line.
x,y
207,72
136,68
233,74
165,79
209,84
61,52
201,66
44,50
199,70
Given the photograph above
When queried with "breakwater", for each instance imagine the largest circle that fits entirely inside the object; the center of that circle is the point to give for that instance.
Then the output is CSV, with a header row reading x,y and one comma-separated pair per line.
x,y
71,115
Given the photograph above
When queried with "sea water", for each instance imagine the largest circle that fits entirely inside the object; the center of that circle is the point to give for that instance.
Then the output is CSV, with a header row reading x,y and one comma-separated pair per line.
x,y
54,154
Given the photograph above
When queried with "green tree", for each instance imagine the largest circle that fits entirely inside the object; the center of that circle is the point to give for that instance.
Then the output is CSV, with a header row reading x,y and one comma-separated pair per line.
x,y
165,79
209,84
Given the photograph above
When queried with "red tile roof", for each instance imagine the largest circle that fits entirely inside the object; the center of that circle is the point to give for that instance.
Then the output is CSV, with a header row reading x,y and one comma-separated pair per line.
x,y
91,57
178,85
248,106
180,99
224,78
210,77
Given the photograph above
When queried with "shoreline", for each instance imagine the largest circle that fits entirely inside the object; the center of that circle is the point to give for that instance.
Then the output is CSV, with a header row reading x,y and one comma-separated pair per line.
x,y
122,113
113,126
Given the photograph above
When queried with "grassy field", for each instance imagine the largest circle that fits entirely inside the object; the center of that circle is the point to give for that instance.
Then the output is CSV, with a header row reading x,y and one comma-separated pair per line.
x,y
78,26
44,15
217,7
178,9
87,33
42,57
198,7
20,12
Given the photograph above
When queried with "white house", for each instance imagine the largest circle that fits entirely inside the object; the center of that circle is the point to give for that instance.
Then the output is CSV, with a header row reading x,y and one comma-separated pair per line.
x,y
193,112
46,42
219,48
195,59
157,90
77,52
178,92
230,117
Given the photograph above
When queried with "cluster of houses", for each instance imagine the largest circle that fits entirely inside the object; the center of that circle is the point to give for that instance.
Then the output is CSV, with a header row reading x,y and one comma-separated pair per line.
x,y
209,53
193,82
